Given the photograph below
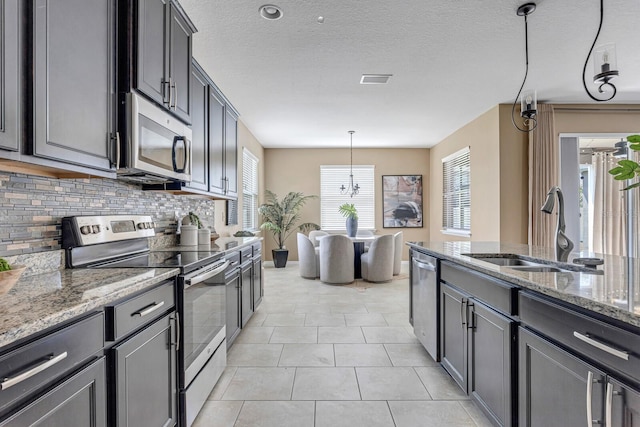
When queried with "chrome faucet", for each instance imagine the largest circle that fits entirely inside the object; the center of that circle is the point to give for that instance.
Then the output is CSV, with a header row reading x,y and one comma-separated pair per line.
x,y
563,244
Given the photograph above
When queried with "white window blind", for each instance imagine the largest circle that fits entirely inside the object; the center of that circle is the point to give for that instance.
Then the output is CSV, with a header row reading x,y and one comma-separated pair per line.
x,y
334,176
249,191
456,193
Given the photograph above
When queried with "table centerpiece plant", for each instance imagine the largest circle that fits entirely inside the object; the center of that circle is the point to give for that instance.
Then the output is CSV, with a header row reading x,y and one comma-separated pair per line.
x,y
628,169
349,211
281,218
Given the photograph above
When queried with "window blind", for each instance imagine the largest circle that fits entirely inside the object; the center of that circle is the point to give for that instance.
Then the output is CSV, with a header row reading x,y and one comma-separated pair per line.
x,y
334,176
456,192
249,191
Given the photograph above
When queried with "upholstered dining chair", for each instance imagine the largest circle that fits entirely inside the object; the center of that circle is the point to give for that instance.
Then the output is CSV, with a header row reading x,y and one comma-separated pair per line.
x,y
308,258
397,252
365,233
377,263
313,234
336,259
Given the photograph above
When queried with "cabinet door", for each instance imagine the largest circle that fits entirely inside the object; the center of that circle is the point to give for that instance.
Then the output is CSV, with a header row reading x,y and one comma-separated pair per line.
x,y
257,283
231,153
247,300
554,386
73,81
490,341
146,390
199,125
233,308
453,334
10,69
623,405
217,182
180,65
152,62
78,401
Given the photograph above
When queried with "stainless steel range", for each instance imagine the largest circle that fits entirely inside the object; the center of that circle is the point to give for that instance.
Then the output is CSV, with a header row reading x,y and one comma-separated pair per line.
x,y
121,241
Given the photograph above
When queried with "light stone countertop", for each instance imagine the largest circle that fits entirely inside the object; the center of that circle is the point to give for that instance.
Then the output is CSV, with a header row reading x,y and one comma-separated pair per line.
x,y
609,291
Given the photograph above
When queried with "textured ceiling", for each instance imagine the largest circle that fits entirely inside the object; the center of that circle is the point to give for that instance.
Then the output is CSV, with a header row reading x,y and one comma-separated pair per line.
x,y
295,82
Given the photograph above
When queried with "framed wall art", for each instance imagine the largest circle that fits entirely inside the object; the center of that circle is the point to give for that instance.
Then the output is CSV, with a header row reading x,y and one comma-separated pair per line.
x,y
402,201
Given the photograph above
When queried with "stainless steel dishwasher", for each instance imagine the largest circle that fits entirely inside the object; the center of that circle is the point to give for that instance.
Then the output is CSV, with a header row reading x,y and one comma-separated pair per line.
x,y
424,301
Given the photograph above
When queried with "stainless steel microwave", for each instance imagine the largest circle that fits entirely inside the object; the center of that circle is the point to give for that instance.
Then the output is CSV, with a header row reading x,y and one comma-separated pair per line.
x,y
157,145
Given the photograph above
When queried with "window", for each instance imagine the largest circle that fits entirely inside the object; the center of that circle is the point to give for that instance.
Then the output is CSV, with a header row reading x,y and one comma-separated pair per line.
x,y
249,191
331,178
456,193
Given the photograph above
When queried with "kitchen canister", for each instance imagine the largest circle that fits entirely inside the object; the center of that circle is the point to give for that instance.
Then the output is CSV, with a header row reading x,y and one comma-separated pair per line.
x,y
189,235
204,237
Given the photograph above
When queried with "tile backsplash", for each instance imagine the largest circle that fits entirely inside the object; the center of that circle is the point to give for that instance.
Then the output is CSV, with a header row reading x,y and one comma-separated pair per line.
x,y
31,208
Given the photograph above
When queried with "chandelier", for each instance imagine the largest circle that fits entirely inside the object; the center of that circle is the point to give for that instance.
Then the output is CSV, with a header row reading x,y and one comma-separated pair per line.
x,y
353,189
528,102
605,64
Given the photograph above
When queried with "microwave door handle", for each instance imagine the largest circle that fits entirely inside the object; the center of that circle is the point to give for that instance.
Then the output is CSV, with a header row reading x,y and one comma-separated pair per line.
x,y
173,154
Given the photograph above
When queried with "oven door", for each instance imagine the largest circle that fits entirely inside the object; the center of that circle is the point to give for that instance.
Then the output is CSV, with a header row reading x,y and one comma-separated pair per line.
x,y
203,318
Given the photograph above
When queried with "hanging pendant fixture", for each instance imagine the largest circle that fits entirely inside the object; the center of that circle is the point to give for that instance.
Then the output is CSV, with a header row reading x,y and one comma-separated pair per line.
x,y
604,62
352,189
528,101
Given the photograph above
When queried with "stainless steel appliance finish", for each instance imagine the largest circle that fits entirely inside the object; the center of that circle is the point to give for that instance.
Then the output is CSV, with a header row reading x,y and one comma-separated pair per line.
x,y
424,304
157,146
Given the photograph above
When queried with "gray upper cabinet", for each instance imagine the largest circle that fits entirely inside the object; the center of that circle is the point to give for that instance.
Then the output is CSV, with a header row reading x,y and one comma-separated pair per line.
x,y
200,134
73,84
163,68
231,153
10,84
216,142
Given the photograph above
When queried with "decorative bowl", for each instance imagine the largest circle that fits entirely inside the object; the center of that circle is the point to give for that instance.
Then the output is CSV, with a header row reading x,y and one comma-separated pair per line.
x,y
9,278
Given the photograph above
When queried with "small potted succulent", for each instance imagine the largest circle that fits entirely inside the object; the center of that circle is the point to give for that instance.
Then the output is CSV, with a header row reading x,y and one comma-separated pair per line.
x,y
349,211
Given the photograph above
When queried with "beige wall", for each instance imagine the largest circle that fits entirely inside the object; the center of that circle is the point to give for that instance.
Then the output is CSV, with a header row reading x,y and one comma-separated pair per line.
x,y
245,139
299,170
608,118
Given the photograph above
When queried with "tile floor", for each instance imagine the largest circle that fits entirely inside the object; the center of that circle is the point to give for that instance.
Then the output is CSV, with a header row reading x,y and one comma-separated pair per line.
x,y
329,356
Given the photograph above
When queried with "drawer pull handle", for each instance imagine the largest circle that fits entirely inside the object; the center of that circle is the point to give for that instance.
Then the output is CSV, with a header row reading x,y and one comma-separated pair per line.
x,y
624,355
608,399
9,382
149,310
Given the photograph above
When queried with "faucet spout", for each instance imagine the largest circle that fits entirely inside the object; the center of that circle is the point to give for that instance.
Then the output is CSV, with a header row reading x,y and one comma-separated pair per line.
x,y
563,244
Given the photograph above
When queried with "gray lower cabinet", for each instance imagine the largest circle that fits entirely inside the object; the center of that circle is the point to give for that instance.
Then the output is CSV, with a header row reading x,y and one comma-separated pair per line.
x,y
73,82
246,278
10,69
232,283
257,281
624,406
80,400
453,345
145,375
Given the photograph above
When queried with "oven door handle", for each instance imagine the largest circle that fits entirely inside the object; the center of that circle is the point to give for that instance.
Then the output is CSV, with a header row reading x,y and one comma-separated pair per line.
x,y
188,282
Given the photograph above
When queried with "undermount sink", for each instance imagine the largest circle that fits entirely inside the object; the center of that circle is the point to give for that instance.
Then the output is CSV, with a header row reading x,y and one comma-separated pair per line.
x,y
517,262
506,261
538,269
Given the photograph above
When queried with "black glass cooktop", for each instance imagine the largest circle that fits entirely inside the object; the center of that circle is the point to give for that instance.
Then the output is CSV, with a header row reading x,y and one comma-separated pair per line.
x,y
163,259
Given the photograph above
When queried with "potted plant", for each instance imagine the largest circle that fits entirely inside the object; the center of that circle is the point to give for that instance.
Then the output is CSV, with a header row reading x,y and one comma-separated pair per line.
x,y
351,213
628,169
281,217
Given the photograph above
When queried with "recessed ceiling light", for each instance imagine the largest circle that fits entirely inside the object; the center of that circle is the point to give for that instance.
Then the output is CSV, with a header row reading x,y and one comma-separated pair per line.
x,y
270,12
375,79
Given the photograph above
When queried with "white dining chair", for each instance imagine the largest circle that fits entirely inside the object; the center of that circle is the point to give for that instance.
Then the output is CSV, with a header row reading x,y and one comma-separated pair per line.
x,y
336,259
365,233
308,258
377,263
313,236
397,252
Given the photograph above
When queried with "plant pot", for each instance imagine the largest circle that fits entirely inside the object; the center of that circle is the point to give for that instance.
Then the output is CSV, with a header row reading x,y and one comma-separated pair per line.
x,y
352,227
280,257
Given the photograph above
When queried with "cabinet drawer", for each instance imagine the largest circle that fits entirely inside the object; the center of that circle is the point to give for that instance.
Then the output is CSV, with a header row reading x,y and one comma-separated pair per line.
x,y
499,295
611,346
257,249
234,261
32,366
246,254
133,313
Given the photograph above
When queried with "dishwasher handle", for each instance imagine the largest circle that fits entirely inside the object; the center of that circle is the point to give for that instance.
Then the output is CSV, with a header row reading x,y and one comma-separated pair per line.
x,y
424,266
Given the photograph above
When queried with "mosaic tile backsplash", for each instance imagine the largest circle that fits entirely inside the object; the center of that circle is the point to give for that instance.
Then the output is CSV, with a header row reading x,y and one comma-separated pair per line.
x,y
31,208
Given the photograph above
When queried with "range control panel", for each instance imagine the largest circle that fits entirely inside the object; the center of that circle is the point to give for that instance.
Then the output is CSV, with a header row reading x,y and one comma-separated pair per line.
x,y
91,230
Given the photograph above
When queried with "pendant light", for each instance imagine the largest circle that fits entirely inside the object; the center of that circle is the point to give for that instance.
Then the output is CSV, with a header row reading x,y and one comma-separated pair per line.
x,y
604,62
528,102
353,189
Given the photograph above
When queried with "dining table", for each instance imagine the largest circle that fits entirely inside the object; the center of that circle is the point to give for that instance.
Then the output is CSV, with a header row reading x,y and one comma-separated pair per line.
x,y
358,249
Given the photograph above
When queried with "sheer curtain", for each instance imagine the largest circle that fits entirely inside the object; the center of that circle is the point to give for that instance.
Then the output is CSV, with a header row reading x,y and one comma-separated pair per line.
x,y
608,233
543,174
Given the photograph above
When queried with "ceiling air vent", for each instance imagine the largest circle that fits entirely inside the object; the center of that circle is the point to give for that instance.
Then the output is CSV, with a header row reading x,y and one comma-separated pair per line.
x,y
375,79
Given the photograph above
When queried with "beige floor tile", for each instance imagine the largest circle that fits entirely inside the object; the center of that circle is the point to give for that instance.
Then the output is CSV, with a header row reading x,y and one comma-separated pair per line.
x,y
325,384
307,355
260,384
312,308
255,335
390,384
284,319
254,355
409,355
276,307
385,307
440,384
294,334
318,319
218,414
223,383
368,319
348,308
387,335
475,413
340,335
276,414
361,355
353,414
257,319
397,319
430,414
